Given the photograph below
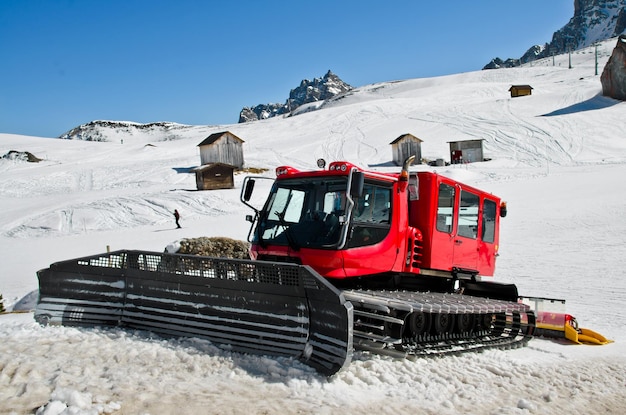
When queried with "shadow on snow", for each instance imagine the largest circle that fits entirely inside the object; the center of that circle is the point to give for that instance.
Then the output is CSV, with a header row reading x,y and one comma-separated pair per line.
x,y
596,103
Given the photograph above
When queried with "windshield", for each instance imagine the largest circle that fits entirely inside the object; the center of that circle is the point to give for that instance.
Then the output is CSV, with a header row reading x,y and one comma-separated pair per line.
x,y
304,213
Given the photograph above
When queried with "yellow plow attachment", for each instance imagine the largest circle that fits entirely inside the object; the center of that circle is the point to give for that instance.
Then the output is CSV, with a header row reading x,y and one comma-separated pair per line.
x,y
558,324
584,336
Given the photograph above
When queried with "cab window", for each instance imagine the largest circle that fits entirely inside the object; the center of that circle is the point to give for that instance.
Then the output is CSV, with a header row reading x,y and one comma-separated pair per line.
x,y
489,221
373,206
468,215
371,217
445,208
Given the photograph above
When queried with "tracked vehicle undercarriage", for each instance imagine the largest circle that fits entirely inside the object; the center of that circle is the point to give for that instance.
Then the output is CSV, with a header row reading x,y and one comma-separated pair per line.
x,y
424,324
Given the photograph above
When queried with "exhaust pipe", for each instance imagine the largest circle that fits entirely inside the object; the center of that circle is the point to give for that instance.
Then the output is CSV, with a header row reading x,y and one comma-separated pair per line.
x,y
404,174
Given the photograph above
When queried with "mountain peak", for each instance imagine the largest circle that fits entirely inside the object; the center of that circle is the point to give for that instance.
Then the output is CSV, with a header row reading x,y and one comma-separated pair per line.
x,y
317,90
593,21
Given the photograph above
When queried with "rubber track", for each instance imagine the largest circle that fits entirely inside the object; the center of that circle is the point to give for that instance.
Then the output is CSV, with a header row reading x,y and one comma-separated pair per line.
x,y
381,316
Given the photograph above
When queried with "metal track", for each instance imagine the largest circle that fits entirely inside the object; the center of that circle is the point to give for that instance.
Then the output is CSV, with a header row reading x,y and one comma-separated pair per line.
x,y
382,323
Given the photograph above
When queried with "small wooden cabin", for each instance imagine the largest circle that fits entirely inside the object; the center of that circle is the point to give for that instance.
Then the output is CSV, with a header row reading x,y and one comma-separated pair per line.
x,y
468,151
215,176
405,146
223,147
520,90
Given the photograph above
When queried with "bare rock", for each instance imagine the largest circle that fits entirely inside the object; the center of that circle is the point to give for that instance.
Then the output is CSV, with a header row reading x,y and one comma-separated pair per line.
x,y
613,76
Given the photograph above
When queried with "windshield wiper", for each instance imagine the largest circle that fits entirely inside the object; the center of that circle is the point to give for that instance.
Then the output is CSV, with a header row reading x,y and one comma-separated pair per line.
x,y
281,218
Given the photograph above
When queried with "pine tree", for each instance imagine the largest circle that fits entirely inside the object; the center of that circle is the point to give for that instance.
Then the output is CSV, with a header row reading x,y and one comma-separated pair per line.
x,y
2,310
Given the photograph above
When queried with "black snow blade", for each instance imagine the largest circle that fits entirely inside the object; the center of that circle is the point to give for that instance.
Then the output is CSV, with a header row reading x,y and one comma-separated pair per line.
x,y
255,307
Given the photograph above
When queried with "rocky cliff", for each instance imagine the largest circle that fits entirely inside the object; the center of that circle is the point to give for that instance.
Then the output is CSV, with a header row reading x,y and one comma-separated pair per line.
x,y
316,91
593,20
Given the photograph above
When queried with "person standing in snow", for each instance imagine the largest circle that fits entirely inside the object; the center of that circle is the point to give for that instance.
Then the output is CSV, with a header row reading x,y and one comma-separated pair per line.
x,y
177,217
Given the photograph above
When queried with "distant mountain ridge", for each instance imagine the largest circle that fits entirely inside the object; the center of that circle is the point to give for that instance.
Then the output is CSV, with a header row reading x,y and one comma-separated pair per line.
x,y
593,21
316,91
102,130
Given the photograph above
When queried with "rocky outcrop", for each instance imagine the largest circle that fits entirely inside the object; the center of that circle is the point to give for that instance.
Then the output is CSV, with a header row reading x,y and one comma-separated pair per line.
x,y
317,90
498,63
593,21
262,112
531,54
102,130
613,76
21,156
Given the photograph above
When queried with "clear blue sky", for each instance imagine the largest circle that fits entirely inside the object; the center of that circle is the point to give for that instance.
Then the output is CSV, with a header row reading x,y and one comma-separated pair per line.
x,y
67,62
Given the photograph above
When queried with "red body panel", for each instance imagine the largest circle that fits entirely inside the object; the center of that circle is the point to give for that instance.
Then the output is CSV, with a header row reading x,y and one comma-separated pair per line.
x,y
447,250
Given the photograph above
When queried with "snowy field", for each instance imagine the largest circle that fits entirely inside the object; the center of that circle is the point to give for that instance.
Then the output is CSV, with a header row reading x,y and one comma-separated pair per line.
x,y
558,157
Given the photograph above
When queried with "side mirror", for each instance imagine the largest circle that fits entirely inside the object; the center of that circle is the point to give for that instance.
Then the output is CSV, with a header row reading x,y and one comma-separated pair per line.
x,y
356,184
247,193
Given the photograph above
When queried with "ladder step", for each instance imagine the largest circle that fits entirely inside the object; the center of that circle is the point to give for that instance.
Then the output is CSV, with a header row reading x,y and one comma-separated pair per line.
x,y
380,317
376,338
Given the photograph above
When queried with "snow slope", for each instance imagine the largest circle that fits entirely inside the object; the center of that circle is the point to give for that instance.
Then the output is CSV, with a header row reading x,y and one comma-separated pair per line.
x,y
558,159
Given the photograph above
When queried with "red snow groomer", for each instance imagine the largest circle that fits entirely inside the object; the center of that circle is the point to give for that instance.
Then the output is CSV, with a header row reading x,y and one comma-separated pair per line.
x,y
409,251
342,258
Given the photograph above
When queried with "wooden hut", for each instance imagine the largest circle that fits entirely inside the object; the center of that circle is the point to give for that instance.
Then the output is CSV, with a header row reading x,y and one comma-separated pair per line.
x,y
405,146
215,176
468,151
223,147
520,90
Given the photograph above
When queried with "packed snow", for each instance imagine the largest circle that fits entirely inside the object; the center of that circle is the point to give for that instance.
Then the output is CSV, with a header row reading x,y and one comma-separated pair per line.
x,y
558,157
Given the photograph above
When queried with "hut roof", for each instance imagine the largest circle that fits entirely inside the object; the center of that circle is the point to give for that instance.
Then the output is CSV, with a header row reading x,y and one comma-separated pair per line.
x,y
210,166
216,136
466,141
404,135
520,87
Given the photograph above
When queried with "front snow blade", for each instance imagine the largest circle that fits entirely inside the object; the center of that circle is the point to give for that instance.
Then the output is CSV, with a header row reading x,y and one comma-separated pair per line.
x,y
253,307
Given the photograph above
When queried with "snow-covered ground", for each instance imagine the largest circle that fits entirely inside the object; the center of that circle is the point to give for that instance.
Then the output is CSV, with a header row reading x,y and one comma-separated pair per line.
x,y
558,159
